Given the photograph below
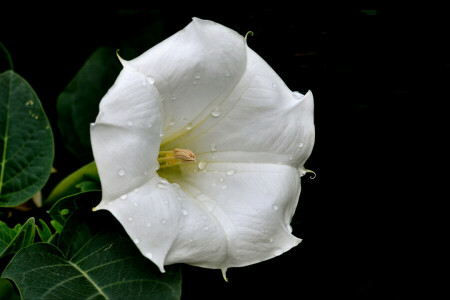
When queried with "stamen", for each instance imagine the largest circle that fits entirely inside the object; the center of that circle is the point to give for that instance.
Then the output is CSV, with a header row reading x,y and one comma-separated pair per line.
x,y
176,157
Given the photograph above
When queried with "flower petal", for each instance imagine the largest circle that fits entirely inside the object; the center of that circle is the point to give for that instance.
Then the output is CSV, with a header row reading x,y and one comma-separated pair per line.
x,y
193,70
226,215
126,135
261,120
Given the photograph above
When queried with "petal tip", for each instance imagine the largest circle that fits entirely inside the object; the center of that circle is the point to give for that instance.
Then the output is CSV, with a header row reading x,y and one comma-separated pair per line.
x,y
224,274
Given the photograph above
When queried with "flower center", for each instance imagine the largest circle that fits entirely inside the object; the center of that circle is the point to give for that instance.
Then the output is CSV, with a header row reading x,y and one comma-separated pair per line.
x,y
176,157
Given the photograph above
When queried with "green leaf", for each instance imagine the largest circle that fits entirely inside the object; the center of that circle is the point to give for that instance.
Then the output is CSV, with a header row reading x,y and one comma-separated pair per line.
x,y
65,207
78,103
13,239
5,59
7,291
91,263
75,182
26,141
45,234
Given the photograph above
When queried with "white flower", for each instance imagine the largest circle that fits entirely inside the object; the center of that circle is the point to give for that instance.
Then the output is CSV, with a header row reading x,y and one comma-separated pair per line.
x,y
203,94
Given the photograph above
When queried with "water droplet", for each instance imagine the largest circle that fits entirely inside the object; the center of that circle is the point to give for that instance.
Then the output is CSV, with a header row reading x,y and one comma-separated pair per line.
x,y
92,124
135,204
297,95
206,228
149,225
173,97
188,126
161,134
136,190
172,122
176,186
163,221
290,157
184,212
201,165
163,183
231,172
301,145
130,123
274,85
224,187
121,172
203,217
124,197
275,207
150,80
216,112
221,179
149,125
136,241
197,76
271,240
278,252
130,219
194,83
213,147
149,255
227,74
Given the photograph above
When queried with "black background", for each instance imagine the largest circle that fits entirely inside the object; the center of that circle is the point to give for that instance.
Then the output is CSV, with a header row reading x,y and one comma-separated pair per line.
x,y
374,72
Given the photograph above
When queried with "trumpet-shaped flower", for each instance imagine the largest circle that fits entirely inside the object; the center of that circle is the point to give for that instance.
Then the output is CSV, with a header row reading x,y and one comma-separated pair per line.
x,y
200,147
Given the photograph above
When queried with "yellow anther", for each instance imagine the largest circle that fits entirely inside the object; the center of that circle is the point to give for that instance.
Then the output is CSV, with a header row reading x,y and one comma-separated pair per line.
x,y
175,157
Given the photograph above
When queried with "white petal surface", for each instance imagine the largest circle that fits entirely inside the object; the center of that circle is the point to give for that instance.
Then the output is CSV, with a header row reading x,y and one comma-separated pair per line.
x,y
234,214
126,135
261,120
193,70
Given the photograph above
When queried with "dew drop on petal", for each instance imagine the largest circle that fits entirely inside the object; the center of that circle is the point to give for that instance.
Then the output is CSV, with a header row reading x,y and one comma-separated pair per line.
x,y
149,225
206,228
164,221
194,82
172,122
224,187
130,219
227,74
135,204
184,212
136,190
221,179
301,145
121,172
136,241
163,183
161,134
275,207
149,255
231,172
201,165
124,197
216,112
130,123
271,240
188,126
197,76
150,80
274,85
92,124
173,97
213,147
